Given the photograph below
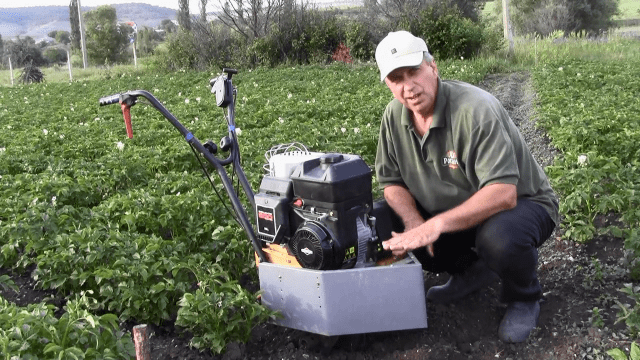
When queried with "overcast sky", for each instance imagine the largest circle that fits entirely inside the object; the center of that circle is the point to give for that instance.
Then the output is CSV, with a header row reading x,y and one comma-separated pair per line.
x,y
171,4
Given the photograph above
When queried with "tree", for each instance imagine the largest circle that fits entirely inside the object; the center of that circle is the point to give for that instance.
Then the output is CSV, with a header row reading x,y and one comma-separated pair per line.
x,y
74,21
63,37
24,51
394,10
168,26
251,18
569,16
106,40
203,10
184,18
147,40
592,16
55,54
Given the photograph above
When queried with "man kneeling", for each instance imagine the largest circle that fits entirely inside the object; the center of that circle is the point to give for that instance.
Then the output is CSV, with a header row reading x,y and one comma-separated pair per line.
x,y
451,149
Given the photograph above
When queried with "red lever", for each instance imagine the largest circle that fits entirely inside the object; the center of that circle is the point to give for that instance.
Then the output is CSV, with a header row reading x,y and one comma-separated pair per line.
x,y
126,112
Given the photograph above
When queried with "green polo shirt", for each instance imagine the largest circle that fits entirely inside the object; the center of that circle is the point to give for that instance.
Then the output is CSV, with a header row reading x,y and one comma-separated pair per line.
x,y
472,142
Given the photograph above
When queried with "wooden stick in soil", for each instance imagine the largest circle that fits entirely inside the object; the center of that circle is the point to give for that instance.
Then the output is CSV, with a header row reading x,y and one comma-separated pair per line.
x,y
141,340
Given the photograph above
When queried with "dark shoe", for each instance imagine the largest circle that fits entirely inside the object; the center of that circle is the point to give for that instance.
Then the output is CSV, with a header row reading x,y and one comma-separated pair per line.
x,y
520,319
476,277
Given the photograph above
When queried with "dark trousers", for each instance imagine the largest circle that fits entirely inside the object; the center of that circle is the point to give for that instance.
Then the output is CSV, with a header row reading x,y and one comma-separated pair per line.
x,y
508,242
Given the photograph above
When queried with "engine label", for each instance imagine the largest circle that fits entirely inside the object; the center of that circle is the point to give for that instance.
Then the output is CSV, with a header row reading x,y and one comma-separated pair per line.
x,y
265,215
266,221
350,253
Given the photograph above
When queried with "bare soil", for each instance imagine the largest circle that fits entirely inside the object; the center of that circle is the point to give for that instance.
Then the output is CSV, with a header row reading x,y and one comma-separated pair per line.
x,y
576,278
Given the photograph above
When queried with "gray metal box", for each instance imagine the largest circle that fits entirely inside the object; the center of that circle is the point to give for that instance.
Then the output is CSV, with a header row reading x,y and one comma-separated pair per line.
x,y
352,301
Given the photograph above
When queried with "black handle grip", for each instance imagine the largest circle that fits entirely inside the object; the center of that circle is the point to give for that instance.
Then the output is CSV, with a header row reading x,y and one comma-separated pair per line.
x,y
108,100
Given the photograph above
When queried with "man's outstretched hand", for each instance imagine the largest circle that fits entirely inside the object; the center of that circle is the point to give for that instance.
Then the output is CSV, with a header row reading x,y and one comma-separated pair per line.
x,y
423,235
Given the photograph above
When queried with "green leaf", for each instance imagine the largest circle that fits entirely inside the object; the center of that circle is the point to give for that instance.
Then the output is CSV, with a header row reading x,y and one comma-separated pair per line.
x,y
74,352
158,288
51,347
110,319
617,354
635,351
91,321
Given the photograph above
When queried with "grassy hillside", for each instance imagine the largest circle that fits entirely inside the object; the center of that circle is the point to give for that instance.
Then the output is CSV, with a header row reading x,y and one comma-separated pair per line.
x,y
39,20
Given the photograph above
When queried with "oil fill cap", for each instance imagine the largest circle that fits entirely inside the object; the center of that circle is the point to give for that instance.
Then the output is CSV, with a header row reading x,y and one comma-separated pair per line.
x,y
331,158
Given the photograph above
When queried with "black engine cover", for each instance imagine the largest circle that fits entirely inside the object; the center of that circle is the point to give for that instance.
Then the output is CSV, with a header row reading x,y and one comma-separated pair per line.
x,y
317,211
312,246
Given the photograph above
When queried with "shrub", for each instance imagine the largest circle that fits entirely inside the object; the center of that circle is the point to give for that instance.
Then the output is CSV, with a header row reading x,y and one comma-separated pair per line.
x,y
447,33
359,40
342,53
265,50
181,52
323,35
570,16
31,74
55,55
207,45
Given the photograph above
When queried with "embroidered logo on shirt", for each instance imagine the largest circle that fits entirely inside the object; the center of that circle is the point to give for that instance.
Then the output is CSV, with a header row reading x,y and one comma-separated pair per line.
x,y
450,160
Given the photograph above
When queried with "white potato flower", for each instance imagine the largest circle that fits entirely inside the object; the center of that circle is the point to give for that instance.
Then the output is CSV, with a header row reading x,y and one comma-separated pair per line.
x,y
583,160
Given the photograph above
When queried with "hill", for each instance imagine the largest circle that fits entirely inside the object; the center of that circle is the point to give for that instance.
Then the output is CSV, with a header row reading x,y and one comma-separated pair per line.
x,y
40,20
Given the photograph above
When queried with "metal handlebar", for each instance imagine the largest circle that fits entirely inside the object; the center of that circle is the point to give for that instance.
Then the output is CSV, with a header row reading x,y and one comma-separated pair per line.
x,y
130,98
108,100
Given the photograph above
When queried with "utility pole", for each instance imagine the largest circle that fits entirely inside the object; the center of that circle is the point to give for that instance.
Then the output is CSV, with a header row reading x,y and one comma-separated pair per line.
x,y
506,20
83,41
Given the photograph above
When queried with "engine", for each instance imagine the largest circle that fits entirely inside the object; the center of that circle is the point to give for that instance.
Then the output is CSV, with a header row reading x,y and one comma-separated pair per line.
x,y
320,207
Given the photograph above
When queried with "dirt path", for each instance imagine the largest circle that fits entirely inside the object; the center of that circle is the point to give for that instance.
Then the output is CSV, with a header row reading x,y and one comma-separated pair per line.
x,y
575,278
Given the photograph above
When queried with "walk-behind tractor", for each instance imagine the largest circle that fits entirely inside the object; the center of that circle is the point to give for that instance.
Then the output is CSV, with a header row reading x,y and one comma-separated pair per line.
x,y
317,232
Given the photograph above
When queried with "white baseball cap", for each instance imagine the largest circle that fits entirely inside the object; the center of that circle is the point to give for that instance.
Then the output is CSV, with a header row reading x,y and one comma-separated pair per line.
x,y
399,49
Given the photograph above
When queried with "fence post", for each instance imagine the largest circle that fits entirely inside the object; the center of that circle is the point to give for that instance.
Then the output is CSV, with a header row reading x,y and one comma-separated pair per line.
x,y
11,70
141,340
69,64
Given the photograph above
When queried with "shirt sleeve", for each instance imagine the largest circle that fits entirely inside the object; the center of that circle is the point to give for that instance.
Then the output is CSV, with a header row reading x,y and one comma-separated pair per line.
x,y
490,153
387,169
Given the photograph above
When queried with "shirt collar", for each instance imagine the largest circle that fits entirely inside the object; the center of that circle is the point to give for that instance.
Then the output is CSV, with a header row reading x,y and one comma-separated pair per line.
x,y
439,119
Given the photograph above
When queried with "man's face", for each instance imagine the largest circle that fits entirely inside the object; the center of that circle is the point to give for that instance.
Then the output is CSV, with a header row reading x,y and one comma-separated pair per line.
x,y
415,88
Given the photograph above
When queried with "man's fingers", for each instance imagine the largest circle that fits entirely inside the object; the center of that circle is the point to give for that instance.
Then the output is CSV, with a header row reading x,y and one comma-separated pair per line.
x,y
392,245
